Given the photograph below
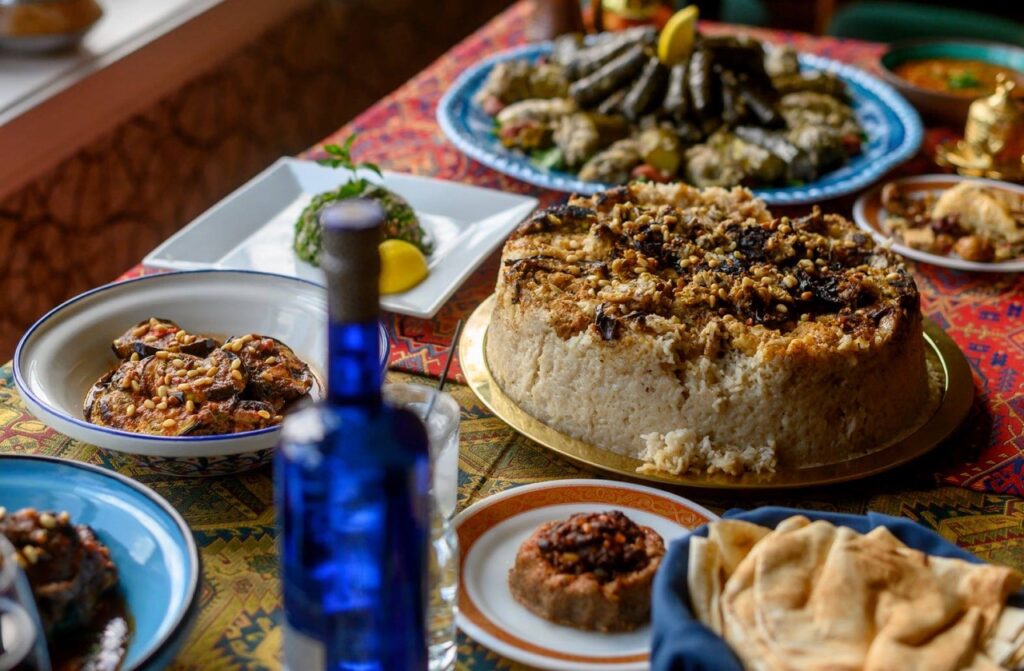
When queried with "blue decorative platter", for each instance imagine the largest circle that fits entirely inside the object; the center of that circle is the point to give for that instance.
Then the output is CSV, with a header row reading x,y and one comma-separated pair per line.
x,y
150,543
893,129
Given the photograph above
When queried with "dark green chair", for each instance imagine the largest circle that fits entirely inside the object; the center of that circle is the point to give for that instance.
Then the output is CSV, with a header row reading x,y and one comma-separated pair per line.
x,y
892,21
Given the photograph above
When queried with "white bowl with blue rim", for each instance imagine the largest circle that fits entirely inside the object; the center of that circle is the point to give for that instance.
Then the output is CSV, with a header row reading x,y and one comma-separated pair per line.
x,y
157,561
68,349
893,128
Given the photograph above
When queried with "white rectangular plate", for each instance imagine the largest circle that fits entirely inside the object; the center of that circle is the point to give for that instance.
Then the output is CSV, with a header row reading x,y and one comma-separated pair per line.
x,y
252,228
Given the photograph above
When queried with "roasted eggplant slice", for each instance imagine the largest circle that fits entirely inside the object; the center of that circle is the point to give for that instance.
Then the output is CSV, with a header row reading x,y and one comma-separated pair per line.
x,y
253,415
598,85
276,375
235,416
106,402
113,402
153,335
190,378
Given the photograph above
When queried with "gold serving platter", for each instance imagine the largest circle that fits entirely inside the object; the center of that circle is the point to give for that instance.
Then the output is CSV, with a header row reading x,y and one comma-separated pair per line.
x,y
957,396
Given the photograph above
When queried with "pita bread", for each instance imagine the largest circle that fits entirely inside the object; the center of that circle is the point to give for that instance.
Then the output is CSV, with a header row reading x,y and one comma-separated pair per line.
x,y
810,596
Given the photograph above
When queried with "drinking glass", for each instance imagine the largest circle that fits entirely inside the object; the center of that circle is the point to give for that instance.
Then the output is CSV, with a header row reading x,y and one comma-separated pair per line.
x,y
443,433
22,644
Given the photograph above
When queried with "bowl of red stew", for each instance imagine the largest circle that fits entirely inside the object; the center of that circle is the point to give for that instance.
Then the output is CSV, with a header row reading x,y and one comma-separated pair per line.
x,y
941,78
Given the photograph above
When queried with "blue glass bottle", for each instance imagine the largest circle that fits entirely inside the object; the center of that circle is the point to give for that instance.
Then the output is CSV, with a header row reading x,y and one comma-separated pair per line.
x,y
352,482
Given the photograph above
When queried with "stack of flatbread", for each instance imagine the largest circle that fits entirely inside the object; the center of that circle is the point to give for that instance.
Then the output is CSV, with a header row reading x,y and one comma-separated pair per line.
x,y
814,596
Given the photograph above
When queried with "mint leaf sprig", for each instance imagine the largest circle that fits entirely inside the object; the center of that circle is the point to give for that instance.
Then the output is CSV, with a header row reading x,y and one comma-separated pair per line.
x,y
340,156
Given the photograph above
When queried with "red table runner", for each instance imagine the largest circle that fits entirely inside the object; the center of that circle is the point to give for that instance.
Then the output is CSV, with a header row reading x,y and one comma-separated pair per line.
x,y
984,314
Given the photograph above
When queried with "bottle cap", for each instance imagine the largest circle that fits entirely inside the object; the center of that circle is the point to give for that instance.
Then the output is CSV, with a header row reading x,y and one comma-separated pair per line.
x,y
351,259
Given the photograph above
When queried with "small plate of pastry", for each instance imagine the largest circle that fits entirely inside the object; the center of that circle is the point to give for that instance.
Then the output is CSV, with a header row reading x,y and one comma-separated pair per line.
x,y
962,223
558,575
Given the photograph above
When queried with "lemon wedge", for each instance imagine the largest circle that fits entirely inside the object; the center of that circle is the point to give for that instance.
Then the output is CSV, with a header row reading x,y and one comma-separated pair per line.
x,y
676,41
402,266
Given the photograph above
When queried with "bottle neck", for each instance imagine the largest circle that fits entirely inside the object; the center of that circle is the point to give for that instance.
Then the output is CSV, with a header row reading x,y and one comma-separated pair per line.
x,y
354,373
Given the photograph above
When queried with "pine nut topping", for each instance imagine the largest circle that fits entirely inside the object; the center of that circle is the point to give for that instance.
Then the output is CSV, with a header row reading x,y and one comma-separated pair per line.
x,y
31,553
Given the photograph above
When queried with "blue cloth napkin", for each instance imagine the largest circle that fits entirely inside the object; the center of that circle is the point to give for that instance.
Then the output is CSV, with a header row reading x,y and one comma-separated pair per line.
x,y
681,643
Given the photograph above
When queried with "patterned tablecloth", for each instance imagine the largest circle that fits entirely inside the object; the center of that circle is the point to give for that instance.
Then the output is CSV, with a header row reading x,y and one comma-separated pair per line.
x,y
233,519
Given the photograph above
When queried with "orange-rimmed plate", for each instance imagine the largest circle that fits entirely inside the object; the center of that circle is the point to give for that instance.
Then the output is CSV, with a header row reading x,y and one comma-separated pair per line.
x,y
490,533
870,215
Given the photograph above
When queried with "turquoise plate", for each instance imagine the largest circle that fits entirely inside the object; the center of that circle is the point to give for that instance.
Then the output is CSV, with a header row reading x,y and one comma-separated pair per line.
x,y
151,544
893,128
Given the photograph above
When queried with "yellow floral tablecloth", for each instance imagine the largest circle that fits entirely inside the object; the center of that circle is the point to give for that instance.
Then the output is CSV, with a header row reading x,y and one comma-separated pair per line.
x,y
233,521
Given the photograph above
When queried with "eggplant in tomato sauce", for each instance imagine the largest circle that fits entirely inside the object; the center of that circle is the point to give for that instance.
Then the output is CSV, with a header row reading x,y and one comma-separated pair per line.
x,y
241,386
153,335
277,375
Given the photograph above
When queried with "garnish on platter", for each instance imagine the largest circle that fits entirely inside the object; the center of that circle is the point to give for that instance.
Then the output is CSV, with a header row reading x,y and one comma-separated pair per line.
x,y
174,383
972,220
713,110
75,586
401,222
593,571
812,595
